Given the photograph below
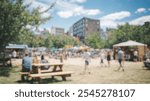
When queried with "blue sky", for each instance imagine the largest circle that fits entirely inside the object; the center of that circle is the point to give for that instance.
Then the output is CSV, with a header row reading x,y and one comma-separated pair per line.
x,y
110,12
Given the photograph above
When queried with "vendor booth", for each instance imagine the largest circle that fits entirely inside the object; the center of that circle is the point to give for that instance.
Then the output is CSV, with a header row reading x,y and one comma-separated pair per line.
x,y
20,49
129,47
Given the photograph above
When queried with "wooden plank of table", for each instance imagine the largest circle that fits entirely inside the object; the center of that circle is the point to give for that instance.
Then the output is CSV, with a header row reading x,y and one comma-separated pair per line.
x,y
47,64
51,74
60,65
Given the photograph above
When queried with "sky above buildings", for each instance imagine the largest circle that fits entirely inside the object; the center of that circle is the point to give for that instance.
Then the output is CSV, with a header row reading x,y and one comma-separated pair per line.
x,y
110,12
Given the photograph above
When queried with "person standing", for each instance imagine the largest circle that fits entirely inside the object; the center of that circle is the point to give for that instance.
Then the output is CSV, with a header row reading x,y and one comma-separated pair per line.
x,y
14,54
135,55
108,58
102,57
120,59
87,60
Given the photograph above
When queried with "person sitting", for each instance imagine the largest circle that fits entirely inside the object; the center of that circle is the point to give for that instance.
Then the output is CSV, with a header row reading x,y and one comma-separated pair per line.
x,y
61,56
35,59
26,66
43,60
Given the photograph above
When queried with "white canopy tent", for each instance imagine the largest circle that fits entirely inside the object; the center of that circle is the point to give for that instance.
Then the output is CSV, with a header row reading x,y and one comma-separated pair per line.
x,y
129,43
139,46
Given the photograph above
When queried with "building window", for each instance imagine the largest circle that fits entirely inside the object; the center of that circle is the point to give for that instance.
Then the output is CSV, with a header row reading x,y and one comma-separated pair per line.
x,y
86,20
86,29
86,25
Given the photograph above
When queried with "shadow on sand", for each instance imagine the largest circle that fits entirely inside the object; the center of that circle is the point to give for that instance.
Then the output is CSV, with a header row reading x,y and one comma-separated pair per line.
x,y
43,81
145,68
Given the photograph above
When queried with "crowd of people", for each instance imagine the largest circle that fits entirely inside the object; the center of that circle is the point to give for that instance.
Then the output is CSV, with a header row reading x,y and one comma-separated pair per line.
x,y
105,57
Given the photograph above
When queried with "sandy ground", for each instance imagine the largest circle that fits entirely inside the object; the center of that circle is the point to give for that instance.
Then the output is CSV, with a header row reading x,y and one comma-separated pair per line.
x,y
134,72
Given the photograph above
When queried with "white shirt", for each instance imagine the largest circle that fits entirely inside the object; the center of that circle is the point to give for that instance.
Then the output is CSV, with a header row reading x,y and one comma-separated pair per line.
x,y
135,53
102,56
14,54
87,56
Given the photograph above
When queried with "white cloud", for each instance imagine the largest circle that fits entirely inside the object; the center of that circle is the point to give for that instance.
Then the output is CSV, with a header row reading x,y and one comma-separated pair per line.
x,y
62,5
114,23
140,10
77,11
40,6
108,23
72,8
117,15
141,20
64,8
149,9
78,1
45,15
93,11
65,14
112,20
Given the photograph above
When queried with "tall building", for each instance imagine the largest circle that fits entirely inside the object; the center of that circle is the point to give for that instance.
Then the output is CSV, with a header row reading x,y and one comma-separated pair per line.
x,y
86,26
57,30
70,32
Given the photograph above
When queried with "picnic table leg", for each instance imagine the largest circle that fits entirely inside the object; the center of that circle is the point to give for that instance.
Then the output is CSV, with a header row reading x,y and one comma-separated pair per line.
x,y
53,77
39,80
55,67
63,77
22,78
34,79
39,70
60,66
54,70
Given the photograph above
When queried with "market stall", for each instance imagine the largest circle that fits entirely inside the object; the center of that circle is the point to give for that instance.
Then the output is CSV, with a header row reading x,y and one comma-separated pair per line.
x,y
129,47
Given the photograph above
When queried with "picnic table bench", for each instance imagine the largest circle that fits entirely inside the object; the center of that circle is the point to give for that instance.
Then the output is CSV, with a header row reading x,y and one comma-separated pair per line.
x,y
62,74
55,69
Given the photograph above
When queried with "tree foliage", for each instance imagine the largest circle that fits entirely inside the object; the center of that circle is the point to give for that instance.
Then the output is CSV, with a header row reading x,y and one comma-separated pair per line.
x,y
59,41
15,16
94,40
139,33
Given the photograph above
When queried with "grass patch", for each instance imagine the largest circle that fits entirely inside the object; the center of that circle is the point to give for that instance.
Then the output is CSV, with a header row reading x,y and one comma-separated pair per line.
x,y
5,71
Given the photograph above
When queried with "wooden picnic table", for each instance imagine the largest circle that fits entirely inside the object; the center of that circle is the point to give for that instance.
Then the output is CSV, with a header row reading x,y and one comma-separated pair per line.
x,y
53,67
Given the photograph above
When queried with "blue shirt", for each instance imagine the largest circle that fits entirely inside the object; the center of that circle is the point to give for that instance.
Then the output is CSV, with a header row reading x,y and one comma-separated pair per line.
x,y
27,62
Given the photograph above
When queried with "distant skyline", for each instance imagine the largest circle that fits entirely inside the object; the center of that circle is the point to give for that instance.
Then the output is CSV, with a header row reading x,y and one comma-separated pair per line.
x,y
109,12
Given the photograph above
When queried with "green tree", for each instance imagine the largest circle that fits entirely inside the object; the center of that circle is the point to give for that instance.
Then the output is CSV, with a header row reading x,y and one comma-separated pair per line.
x,y
14,18
146,33
94,40
49,42
139,33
